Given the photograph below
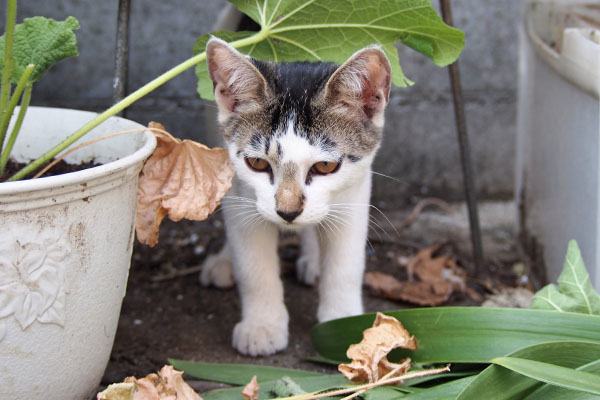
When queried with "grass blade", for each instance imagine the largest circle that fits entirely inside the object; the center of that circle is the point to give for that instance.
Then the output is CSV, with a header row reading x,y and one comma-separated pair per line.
x,y
500,383
309,384
444,391
462,334
554,374
558,393
238,374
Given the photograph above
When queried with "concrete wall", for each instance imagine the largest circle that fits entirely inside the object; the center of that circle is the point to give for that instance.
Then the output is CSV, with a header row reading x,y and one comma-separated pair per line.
x,y
420,146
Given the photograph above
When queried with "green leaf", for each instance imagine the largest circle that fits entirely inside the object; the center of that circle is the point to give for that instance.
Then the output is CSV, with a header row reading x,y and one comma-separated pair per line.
x,y
332,30
205,85
558,393
501,383
286,387
42,42
237,374
310,384
550,373
449,390
461,334
574,291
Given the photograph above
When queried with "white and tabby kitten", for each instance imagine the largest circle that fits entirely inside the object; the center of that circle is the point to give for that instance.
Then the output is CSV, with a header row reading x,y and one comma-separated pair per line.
x,y
302,137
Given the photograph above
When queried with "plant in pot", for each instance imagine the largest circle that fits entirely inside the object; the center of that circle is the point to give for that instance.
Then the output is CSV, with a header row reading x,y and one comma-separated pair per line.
x,y
45,253
66,240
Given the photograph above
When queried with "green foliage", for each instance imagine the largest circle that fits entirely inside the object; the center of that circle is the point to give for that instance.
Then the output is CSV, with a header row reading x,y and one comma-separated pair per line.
x,y
461,334
42,42
237,374
574,292
502,383
332,30
550,373
532,354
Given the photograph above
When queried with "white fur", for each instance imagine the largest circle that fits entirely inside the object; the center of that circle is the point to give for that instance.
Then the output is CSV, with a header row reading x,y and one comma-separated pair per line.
x,y
333,229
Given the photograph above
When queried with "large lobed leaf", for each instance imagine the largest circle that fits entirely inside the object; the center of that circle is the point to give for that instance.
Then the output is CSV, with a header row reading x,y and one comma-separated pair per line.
x,y
332,30
42,42
574,292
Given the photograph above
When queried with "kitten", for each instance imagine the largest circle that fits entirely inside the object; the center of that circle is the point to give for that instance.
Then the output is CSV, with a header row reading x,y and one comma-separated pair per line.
x,y
302,137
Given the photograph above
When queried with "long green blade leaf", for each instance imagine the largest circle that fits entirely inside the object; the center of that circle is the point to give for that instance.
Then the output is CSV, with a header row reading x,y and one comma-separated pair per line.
x,y
462,334
237,374
501,383
558,393
553,374
444,391
309,384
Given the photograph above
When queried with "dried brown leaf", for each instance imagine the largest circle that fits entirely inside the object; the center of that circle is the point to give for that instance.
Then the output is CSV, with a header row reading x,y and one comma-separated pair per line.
x,y
250,391
369,357
117,391
168,384
431,280
182,180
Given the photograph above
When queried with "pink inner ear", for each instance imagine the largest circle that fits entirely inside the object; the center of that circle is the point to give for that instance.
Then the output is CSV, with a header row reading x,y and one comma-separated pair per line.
x,y
223,96
376,86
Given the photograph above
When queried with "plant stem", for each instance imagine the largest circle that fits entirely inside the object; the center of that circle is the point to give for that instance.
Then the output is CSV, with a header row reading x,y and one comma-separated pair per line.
x,y
126,102
11,16
15,131
7,115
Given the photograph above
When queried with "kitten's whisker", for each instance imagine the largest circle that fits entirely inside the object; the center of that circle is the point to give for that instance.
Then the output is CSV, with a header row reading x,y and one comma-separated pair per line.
x,y
390,177
374,208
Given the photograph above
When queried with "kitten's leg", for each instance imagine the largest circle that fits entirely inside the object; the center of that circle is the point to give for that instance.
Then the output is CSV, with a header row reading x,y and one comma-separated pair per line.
x,y
263,329
217,269
308,265
343,261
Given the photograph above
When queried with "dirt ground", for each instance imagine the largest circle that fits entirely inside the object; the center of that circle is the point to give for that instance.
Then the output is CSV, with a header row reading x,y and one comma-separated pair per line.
x,y
167,313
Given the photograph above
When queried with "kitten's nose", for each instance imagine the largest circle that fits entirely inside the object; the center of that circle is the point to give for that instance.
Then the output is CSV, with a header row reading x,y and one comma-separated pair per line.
x,y
289,216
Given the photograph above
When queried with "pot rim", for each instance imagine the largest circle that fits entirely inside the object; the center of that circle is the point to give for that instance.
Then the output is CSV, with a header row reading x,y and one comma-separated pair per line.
x,y
79,177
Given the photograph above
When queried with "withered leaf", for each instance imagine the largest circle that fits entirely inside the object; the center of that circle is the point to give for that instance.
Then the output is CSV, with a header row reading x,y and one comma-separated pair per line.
x,y
369,357
168,384
250,391
431,280
182,180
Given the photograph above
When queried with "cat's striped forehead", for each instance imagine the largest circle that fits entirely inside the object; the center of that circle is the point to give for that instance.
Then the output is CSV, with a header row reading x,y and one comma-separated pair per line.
x,y
297,107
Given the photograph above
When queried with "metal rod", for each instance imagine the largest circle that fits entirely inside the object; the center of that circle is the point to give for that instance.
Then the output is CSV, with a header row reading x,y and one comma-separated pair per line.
x,y
121,52
465,151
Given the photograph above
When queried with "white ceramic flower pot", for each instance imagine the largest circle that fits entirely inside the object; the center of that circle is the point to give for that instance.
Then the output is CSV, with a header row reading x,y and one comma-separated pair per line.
x,y
65,250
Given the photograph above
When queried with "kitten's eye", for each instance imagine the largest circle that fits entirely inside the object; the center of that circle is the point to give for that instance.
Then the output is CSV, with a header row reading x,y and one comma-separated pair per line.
x,y
258,164
325,167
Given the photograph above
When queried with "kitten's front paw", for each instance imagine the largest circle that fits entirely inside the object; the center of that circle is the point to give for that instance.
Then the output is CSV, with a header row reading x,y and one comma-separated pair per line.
x,y
217,270
259,339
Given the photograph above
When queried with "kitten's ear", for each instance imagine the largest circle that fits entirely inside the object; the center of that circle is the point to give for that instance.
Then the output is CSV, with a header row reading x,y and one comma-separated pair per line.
x,y
238,85
361,85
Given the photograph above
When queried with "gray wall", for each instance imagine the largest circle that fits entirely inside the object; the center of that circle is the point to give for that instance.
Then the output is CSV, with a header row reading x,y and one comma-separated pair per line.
x,y
420,146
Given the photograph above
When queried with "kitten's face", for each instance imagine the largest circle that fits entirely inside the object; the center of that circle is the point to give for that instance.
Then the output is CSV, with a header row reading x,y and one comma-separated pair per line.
x,y
300,134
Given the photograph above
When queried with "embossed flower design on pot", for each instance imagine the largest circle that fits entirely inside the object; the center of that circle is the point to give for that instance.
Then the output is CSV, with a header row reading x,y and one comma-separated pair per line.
x,y
32,281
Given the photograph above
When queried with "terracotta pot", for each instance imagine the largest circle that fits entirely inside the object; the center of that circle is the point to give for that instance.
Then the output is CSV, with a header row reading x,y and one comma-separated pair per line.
x,y
65,251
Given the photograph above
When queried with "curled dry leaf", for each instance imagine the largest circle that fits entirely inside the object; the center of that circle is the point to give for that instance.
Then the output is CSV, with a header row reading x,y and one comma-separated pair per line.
x,y
369,357
431,280
117,391
250,391
168,384
182,180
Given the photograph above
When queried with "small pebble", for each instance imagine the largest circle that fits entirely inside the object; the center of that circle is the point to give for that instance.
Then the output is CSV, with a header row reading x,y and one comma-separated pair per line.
x,y
137,322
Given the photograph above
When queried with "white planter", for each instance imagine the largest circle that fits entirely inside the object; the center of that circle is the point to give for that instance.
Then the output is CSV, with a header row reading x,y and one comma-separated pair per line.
x,y
65,250
558,143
